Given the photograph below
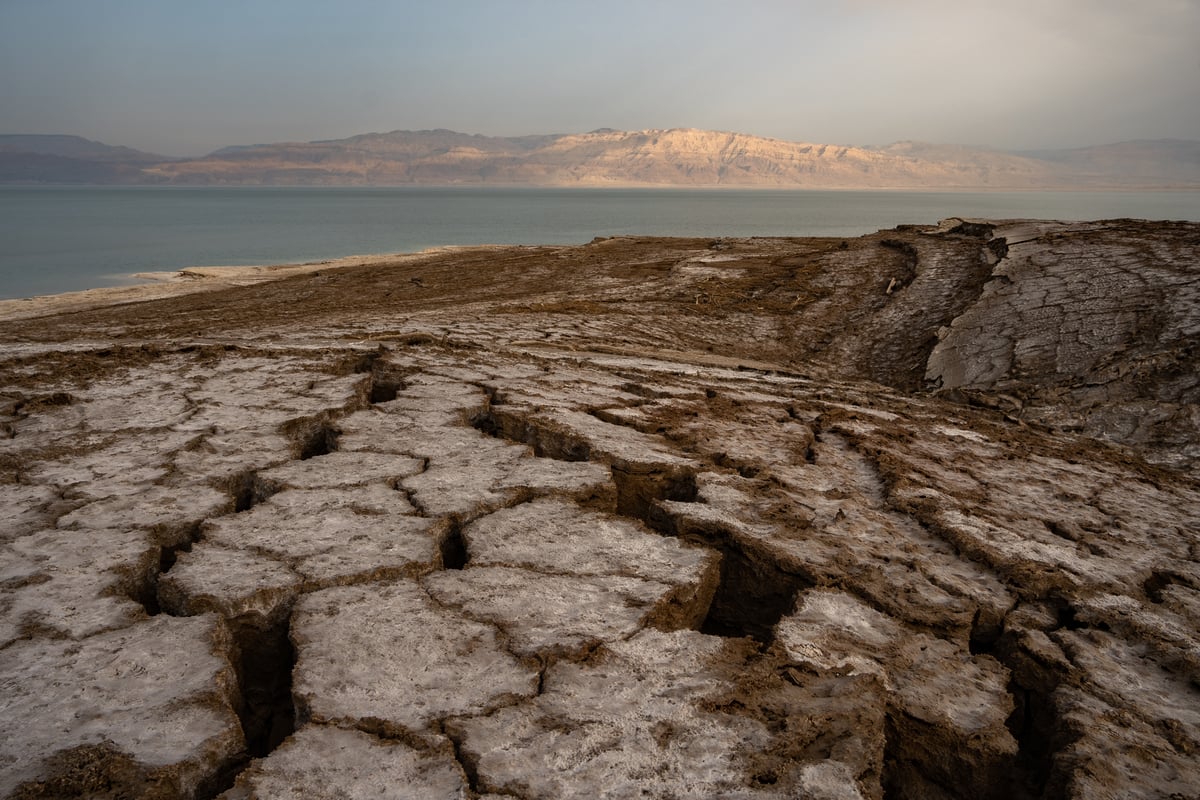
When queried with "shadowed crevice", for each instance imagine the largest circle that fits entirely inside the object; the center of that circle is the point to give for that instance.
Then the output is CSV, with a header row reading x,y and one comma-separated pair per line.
x,y
312,436
247,489
146,590
264,663
387,381
751,597
454,547
637,493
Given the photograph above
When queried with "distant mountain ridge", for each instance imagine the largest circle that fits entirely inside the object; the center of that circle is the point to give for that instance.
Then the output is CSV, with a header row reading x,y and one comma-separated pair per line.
x,y
1160,158
37,158
606,157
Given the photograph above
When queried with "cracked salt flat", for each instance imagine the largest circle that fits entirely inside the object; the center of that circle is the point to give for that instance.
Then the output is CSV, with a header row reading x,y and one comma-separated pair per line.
x,y
393,519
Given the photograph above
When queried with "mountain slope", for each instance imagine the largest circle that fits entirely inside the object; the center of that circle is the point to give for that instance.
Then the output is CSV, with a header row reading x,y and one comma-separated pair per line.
x,y
1152,161
75,147
41,158
683,157
605,157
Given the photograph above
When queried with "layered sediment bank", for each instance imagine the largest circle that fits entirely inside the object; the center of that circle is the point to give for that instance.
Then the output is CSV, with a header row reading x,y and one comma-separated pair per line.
x,y
163,284
913,515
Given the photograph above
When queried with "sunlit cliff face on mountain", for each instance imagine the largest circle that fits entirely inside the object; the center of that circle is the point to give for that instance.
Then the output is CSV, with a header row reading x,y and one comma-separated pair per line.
x,y
911,515
602,158
677,157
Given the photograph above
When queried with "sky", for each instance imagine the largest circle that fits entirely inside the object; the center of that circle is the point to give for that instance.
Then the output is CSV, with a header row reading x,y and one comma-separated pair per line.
x,y
185,78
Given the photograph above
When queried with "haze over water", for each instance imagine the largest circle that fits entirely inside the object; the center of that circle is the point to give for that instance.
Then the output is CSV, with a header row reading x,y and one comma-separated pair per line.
x,y
69,238
180,79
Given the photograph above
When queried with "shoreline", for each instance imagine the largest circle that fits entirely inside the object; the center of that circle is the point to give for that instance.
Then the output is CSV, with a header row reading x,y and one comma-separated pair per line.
x,y
158,285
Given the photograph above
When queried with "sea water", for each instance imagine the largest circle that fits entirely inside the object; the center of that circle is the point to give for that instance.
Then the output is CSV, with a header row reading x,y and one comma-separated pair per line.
x,y
58,239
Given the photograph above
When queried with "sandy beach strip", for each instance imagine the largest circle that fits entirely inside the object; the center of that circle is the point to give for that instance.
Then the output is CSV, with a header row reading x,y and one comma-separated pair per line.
x,y
190,280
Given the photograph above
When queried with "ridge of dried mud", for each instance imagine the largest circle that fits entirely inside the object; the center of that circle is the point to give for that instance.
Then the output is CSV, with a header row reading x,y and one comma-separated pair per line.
x,y
913,515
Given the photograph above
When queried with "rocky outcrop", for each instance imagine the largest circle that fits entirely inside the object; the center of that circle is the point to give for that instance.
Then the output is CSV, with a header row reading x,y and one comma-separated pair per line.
x,y
1095,327
667,518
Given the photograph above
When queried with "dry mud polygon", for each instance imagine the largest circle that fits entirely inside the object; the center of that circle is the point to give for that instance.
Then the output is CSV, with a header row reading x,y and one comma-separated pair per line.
x,y
914,515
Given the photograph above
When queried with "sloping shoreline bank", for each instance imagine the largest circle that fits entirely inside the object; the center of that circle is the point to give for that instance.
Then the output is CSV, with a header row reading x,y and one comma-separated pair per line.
x,y
191,280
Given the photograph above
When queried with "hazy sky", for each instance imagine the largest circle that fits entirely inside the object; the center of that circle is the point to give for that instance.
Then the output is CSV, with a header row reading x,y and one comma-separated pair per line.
x,y
184,78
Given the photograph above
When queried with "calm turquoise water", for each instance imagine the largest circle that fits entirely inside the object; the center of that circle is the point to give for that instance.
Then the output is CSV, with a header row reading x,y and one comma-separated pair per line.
x,y
57,239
